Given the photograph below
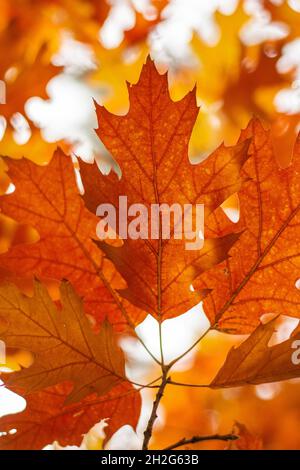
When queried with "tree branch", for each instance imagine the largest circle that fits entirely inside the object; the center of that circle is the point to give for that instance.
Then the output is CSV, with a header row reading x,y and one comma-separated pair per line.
x,y
152,419
195,439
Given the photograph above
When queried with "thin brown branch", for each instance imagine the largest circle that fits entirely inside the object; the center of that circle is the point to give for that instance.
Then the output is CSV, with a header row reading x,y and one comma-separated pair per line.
x,y
149,385
182,384
153,416
195,439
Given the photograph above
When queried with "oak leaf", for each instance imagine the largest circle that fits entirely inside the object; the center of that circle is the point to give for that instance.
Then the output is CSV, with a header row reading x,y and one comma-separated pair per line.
x,y
150,144
260,274
47,198
47,418
255,362
62,341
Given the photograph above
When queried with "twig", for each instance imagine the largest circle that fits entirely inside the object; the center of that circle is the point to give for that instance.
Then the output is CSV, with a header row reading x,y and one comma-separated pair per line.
x,y
182,384
166,380
190,348
159,395
194,439
149,385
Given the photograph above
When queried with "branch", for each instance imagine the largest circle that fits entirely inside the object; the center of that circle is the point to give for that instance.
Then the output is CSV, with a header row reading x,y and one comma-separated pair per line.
x,y
182,384
194,439
152,419
164,382
148,385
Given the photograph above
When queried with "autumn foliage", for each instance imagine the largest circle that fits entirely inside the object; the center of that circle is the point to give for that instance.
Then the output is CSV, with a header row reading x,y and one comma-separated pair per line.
x,y
67,299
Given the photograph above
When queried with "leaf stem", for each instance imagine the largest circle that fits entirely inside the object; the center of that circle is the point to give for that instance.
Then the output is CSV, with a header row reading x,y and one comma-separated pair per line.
x,y
182,384
161,344
125,314
195,439
172,363
141,386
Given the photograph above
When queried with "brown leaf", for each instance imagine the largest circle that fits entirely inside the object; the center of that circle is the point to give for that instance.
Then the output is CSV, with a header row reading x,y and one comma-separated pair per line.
x,y
254,362
47,419
62,341
247,440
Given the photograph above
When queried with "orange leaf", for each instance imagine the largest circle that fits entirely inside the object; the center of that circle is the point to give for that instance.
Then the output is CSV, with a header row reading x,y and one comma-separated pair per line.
x,y
150,144
260,274
47,418
47,198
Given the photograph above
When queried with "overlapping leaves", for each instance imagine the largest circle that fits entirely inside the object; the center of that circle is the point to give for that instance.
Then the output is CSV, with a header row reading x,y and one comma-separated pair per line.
x,y
244,269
